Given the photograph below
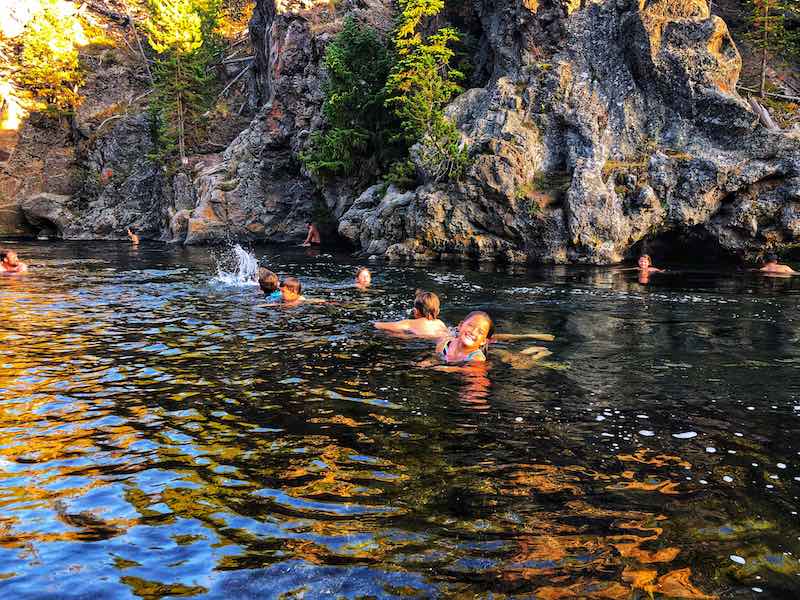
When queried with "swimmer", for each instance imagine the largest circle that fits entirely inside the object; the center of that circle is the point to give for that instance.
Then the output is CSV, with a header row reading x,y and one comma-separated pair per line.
x,y
645,265
291,291
313,235
11,264
269,284
425,322
772,266
471,340
363,278
133,237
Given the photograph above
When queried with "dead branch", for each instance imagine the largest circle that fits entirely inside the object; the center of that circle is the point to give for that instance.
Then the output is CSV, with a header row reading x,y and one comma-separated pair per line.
x,y
771,95
763,115
235,79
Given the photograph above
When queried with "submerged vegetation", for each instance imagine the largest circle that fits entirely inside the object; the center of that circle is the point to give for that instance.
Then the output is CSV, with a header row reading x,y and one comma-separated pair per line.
x,y
381,100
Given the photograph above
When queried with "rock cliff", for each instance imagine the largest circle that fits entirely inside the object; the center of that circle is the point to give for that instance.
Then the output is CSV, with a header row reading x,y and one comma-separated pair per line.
x,y
594,128
597,127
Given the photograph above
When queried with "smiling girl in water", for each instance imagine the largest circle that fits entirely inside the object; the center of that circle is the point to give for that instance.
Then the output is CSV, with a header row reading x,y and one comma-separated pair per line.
x,y
471,340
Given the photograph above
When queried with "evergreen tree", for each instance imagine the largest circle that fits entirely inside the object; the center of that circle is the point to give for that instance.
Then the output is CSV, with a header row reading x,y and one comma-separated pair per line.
x,y
181,32
769,32
358,138
49,52
422,83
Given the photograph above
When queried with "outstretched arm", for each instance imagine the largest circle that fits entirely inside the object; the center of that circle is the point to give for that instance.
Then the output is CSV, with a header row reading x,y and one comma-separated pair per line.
x,y
393,326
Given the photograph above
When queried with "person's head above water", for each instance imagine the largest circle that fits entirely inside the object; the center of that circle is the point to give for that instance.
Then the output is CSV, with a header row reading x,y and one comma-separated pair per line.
x,y
771,259
267,280
475,330
10,258
426,306
645,262
363,278
291,288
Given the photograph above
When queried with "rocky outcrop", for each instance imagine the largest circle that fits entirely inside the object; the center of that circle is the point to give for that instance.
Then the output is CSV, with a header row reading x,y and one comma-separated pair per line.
x,y
631,128
594,128
120,187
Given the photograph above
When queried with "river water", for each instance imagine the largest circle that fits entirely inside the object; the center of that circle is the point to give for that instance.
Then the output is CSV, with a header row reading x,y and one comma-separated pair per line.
x,y
165,433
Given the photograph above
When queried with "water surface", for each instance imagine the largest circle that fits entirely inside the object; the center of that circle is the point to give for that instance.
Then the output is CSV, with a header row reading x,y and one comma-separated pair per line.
x,y
167,434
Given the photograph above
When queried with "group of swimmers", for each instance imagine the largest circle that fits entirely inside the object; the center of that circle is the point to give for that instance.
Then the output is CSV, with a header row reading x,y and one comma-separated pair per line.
x,y
469,344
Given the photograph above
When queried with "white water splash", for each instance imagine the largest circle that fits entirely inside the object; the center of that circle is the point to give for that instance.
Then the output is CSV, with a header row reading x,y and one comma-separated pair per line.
x,y
243,264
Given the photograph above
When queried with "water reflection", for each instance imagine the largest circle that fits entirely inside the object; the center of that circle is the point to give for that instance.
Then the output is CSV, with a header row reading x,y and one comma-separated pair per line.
x,y
165,435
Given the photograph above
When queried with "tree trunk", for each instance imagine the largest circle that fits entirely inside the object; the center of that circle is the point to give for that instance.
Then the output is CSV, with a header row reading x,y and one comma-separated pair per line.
x,y
181,143
763,87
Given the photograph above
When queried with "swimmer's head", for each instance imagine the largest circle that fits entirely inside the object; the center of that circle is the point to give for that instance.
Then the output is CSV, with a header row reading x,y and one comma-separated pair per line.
x,y
771,258
291,289
11,258
363,278
644,261
426,306
267,280
475,330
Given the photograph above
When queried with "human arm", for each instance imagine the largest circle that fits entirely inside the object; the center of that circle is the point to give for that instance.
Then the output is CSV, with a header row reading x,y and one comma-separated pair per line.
x,y
393,326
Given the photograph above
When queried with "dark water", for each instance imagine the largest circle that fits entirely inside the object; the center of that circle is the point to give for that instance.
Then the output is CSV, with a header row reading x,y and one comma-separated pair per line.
x,y
163,435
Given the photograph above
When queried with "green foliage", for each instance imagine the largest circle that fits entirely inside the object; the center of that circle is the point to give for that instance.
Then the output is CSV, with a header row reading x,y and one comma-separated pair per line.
x,y
421,84
50,54
358,139
768,26
182,33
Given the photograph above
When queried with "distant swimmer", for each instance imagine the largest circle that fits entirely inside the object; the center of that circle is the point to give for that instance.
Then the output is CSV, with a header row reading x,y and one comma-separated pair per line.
x,y
363,278
646,265
772,266
425,322
269,284
313,235
133,237
10,263
471,341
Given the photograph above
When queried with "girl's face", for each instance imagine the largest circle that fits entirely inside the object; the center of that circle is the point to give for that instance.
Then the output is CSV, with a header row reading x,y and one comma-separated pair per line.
x,y
288,295
644,262
472,333
363,279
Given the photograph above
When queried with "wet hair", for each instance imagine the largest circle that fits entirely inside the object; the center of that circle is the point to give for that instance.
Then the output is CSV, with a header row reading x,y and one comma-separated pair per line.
x,y
771,258
485,315
3,254
647,256
427,304
267,280
361,270
292,284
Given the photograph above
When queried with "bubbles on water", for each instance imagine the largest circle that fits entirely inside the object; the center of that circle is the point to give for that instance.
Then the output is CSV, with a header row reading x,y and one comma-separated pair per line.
x,y
236,267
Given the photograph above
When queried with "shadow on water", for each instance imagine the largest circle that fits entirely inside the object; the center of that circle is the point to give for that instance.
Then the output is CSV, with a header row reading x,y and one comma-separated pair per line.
x,y
164,434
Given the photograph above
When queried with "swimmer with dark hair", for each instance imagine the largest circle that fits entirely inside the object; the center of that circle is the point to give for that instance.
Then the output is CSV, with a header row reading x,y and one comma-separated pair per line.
x,y
471,341
773,267
425,321
10,263
269,284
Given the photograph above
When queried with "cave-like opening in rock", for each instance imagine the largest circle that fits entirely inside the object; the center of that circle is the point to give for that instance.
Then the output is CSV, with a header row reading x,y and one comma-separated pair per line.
x,y
694,246
43,228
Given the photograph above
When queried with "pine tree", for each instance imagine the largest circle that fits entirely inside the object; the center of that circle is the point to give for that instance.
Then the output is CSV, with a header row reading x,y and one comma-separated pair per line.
x,y
49,52
769,32
422,83
180,31
357,140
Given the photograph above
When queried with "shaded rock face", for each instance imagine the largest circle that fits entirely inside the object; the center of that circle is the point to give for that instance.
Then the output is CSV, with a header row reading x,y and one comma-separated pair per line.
x,y
623,128
256,189
121,186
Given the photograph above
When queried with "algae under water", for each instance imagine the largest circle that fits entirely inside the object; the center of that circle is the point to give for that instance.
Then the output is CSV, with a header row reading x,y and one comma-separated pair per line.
x,y
165,433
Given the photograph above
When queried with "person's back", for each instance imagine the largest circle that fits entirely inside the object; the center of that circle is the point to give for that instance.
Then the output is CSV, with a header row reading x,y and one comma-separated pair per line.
x,y
771,265
269,284
426,321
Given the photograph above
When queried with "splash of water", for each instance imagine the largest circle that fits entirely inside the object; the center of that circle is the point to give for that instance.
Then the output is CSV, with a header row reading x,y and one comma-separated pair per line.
x,y
237,267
